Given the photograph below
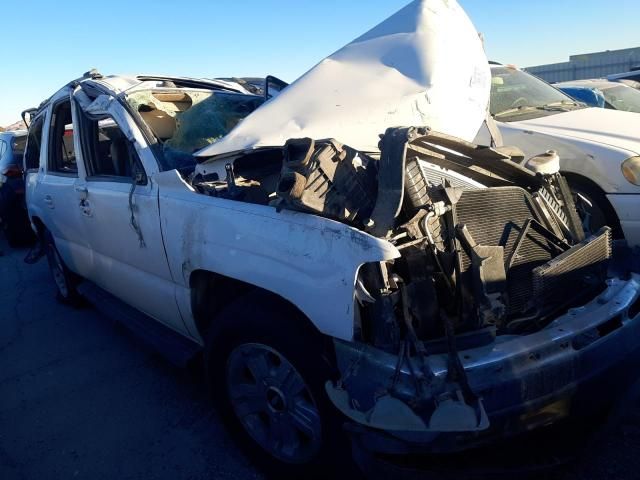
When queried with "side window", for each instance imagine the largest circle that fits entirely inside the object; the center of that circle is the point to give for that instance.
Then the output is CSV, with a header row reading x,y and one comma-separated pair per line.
x,y
34,140
108,151
17,147
3,148
62,156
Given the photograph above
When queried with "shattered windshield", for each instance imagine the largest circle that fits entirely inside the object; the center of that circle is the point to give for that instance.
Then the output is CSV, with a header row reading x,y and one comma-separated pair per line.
x,y
514,92
186,120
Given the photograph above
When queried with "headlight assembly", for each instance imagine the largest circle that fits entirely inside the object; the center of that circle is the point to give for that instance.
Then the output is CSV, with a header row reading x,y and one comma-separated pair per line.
x,y
631,170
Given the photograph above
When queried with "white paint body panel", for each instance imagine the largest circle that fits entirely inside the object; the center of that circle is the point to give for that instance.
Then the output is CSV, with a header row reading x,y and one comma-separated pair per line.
x,y
95,239
310,261
591,142
628,209
614,128
423,66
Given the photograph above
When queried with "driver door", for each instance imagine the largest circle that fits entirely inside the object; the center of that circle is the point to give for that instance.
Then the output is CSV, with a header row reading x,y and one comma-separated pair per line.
x,y
120,215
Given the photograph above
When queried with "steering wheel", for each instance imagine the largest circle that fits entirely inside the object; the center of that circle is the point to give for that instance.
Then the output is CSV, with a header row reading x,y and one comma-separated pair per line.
x,y
519,102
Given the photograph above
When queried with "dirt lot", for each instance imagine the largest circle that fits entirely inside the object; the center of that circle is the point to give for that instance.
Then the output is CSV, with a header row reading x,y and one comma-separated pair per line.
x,y
80,397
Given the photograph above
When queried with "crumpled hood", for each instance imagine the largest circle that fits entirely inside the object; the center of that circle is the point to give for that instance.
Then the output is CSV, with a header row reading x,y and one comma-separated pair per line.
x,y
608,127
423,66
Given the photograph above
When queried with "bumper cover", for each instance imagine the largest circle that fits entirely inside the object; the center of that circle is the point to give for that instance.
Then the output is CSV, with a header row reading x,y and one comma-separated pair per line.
x,y
575,365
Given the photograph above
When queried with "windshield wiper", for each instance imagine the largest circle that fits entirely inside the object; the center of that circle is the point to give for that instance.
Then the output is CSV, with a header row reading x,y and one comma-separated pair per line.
x,y
520,109
562,106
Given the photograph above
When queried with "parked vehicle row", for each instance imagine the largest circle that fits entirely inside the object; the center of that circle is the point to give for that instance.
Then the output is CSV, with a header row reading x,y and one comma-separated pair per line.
x,y
13,214
599,149
603,94
351,258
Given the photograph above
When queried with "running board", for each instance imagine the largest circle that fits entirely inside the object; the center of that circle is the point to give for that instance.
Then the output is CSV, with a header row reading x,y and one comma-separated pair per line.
x,y
173,346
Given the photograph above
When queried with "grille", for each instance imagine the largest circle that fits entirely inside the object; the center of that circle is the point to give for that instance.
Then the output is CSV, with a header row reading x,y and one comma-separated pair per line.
x,y
495,216
570,269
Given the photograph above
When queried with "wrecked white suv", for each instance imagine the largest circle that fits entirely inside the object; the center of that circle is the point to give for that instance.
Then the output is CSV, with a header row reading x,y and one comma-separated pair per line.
x,y
427,293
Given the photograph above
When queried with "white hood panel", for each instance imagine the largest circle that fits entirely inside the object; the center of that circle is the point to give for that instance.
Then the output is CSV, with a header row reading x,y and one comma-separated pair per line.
x,y
609,127
423,66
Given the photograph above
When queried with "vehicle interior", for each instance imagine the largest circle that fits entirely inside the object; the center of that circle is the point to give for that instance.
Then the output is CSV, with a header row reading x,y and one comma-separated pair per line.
x,y
185,120
63,159
108,150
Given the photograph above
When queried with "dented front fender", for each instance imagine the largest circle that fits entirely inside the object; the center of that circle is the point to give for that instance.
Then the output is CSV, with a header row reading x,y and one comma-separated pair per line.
x,y
309,260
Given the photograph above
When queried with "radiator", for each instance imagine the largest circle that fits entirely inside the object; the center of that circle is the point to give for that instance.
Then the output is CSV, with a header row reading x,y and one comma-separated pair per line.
x,y
555,281
495,217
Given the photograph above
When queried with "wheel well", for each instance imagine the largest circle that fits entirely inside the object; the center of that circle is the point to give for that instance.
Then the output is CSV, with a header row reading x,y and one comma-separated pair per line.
x,y
211,292
593,189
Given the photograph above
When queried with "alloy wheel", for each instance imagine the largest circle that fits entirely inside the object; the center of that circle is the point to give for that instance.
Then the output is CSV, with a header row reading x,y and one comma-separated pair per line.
x,y
273,403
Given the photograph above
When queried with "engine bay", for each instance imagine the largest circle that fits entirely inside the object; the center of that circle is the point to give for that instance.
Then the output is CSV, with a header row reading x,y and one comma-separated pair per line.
x,y
488,245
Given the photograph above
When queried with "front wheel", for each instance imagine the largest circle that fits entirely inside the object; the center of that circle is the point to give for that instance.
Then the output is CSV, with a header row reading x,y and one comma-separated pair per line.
x,y
267,373
274,403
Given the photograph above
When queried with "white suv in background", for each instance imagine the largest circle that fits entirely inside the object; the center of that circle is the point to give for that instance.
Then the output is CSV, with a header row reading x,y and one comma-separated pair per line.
x,y
599,149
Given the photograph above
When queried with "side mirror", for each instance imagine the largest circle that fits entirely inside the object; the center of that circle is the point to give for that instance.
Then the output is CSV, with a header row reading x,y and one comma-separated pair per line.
x,y
27,116
273,86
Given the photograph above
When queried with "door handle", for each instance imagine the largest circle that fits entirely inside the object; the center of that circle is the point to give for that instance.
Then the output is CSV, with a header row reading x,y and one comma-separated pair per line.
x,y
48,200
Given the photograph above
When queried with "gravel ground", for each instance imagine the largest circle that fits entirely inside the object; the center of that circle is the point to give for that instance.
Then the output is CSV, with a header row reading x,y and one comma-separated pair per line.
x,y
80,397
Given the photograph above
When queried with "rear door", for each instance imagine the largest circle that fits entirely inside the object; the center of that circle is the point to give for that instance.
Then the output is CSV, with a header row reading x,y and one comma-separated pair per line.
x,y
54,181
120,215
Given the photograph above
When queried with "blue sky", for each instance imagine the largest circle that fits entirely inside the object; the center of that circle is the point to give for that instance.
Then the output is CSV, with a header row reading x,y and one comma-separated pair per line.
x,y
48,43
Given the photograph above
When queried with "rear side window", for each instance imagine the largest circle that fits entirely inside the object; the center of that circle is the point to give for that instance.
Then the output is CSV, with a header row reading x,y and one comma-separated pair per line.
x,y
62,156
34,141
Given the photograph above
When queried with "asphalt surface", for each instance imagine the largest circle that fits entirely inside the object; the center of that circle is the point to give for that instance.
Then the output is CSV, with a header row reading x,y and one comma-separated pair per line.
x,y
81,397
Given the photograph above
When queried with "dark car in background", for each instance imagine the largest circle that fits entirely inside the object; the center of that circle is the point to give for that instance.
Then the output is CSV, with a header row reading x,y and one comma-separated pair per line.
x,y
633,75
13,216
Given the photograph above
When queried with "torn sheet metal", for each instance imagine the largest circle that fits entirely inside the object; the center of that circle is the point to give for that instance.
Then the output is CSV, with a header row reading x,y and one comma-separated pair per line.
x,y
423,66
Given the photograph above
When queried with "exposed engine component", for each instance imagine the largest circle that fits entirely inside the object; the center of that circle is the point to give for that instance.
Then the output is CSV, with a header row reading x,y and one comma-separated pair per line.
x,y
483,247
486,242
487,246
327,178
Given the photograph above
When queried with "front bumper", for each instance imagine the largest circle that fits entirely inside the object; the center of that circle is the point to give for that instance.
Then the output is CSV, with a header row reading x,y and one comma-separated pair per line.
x,y
627,209
577,364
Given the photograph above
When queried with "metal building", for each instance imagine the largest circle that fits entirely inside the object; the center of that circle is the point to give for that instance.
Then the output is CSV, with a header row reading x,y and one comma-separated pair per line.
x,y
589,65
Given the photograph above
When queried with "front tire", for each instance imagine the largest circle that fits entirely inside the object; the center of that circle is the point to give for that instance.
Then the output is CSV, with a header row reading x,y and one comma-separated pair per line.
x,y
267,373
